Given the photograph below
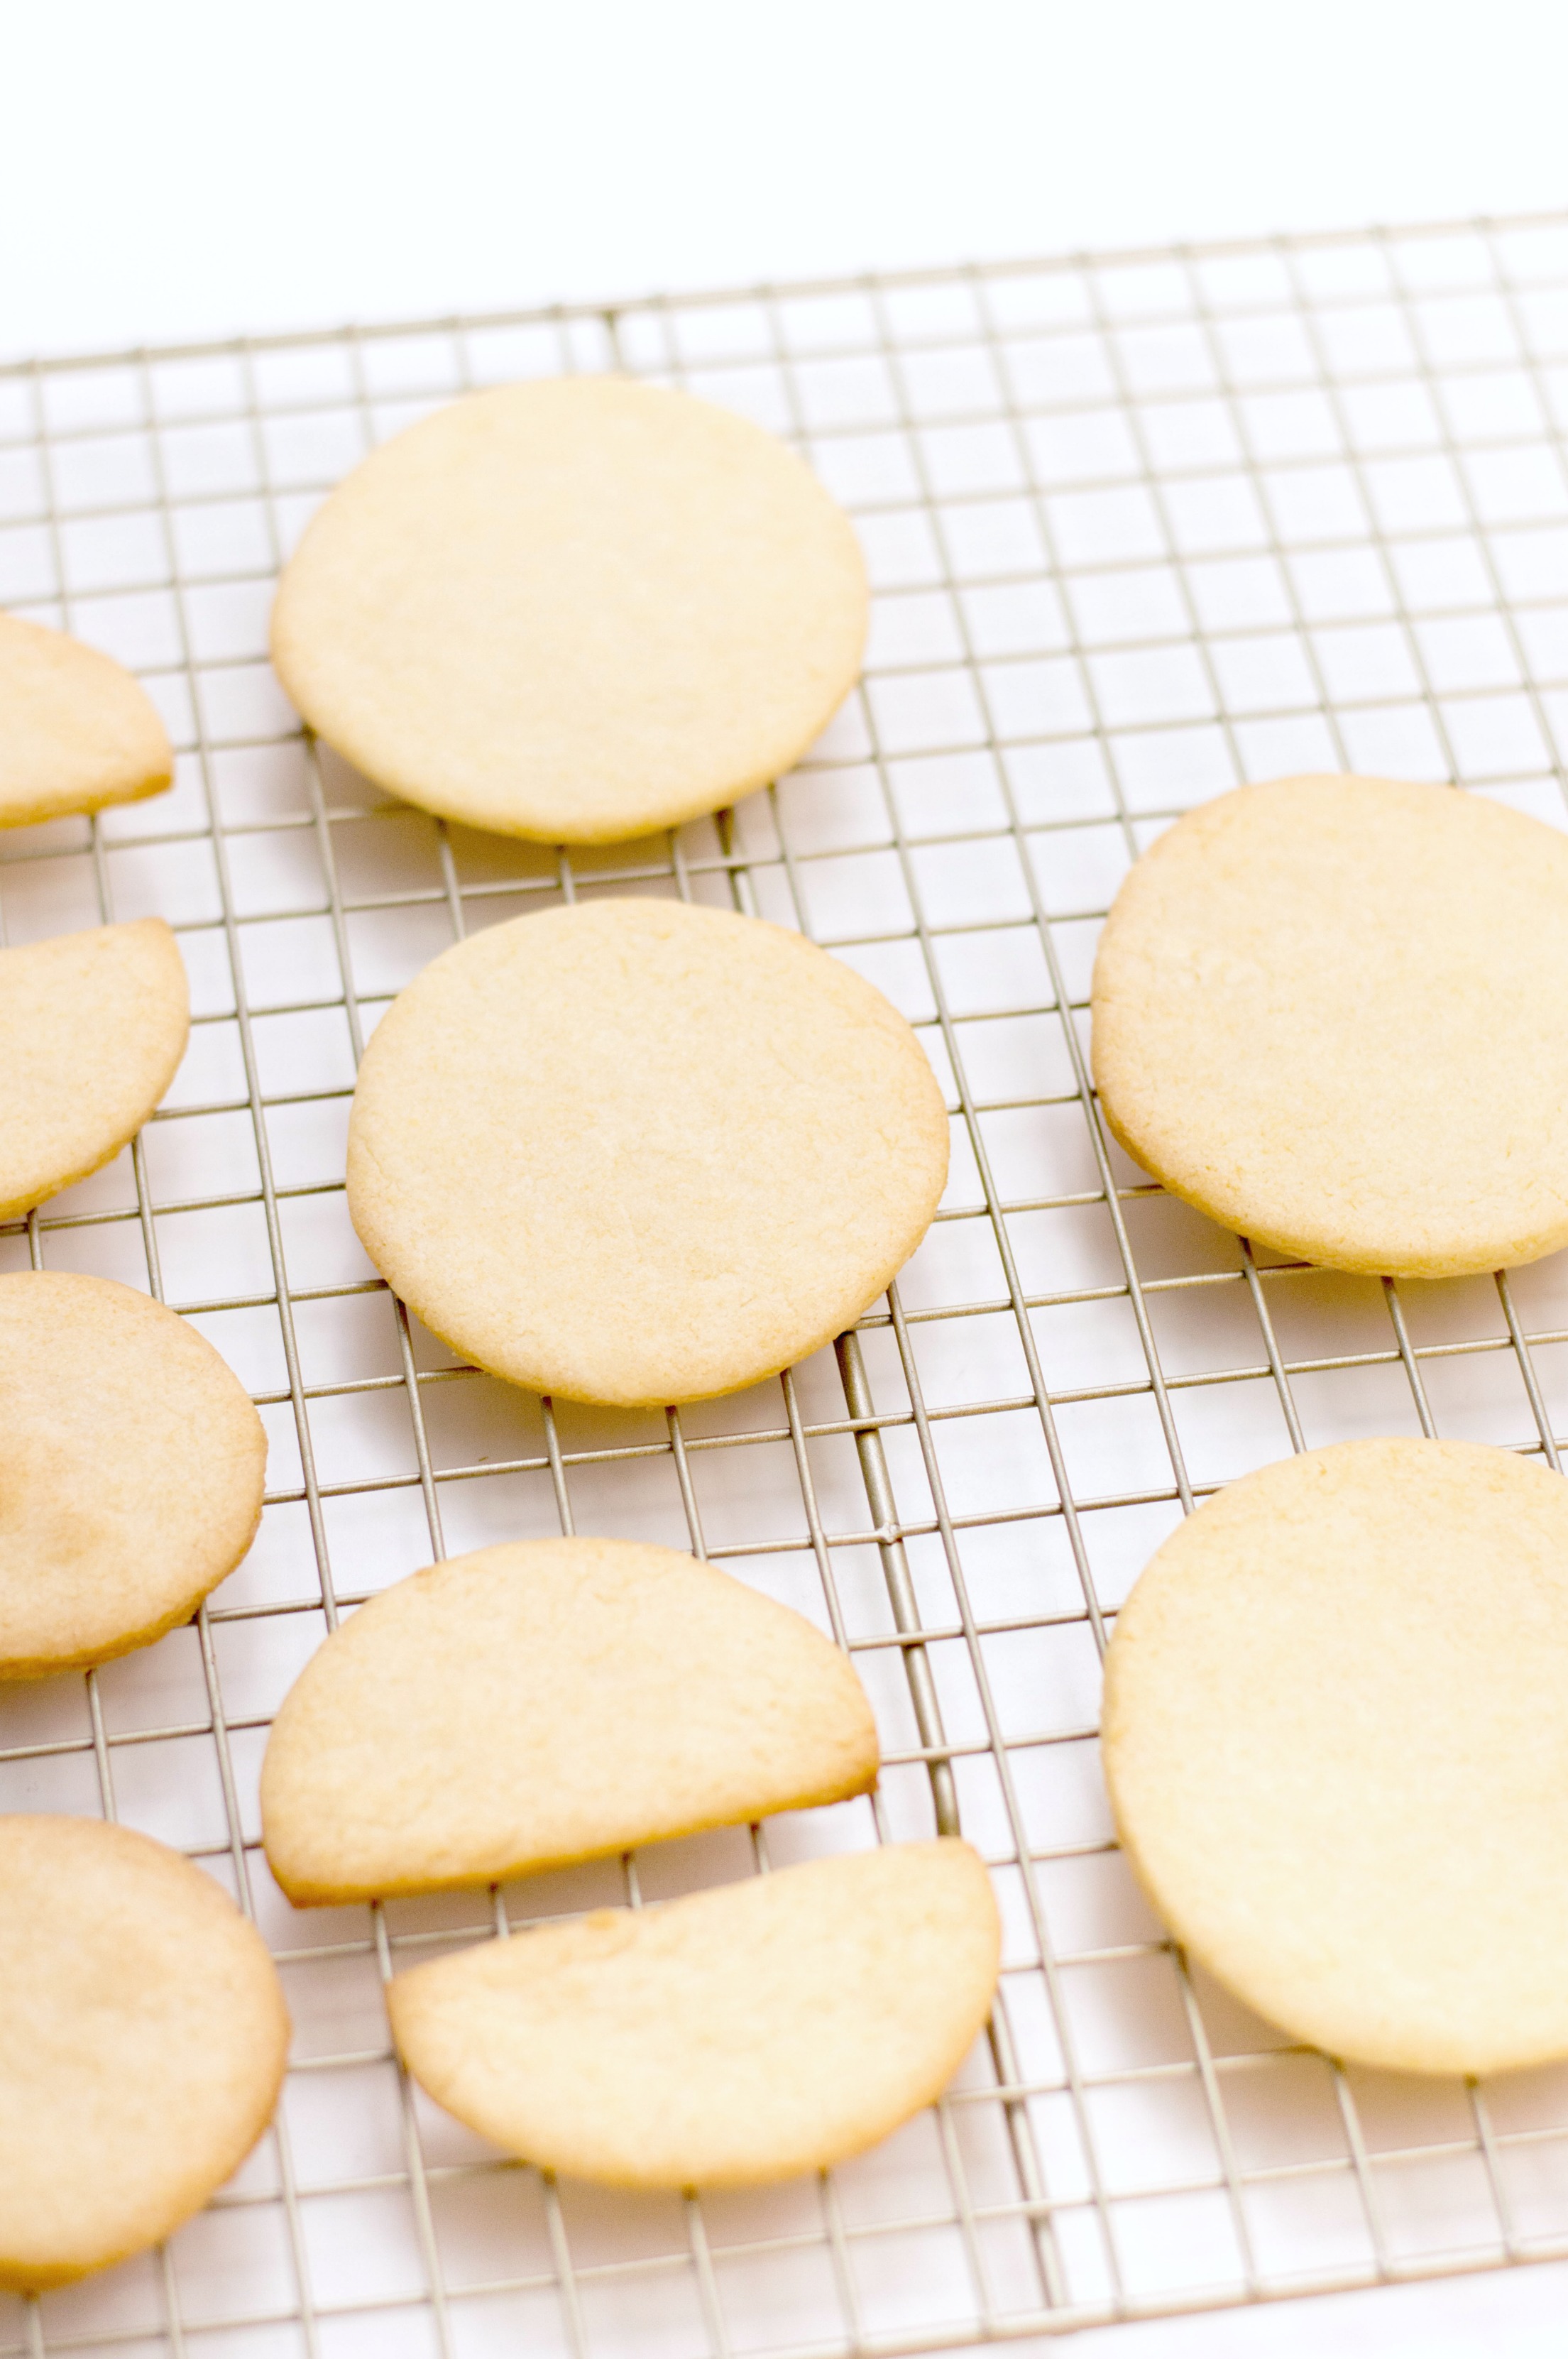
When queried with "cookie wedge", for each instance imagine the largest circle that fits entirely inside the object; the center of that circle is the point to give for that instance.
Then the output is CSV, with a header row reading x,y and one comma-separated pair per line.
x,y
77,733
550,1700
738,2035
93,1027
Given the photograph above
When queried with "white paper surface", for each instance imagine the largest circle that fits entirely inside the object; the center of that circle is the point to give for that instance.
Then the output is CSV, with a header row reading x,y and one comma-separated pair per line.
x,y
181,169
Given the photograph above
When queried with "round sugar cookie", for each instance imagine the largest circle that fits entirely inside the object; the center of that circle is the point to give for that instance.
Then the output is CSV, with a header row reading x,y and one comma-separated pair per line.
x,y
1327,1012
574,610
142,2044
1335,1745
131,1468
738,2035
92,1027
551,1700
637,1152
76,731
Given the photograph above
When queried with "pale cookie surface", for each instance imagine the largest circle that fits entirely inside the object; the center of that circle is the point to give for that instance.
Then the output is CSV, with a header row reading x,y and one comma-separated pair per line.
x,y
1327,1012
1335,1745
76,731
131,1468
738,2036
574,610
641,1152
92,1029
549,1700
142,2044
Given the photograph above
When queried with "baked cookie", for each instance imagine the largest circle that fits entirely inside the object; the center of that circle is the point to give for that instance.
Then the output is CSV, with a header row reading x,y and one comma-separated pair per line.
x,y
131,1467
551,1700
641,1152
573,610
76,731
142,2044
1326,1012
1335,1745
92,1027
738,2036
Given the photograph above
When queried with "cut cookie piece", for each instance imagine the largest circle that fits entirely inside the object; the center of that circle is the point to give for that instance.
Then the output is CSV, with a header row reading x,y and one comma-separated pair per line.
x,y
1335,1745
738,2036
92,1027
131,1468
142,2044
639,1152
1327,1012
76,731
574,610
551,1700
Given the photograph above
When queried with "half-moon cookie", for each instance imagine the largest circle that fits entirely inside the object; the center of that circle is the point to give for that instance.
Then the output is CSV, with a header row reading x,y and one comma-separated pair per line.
x,y
1336,1748
574,610
131,1471
738,2035
142,2044
549,1700
76,730
635,1151
1327,1012
92,1027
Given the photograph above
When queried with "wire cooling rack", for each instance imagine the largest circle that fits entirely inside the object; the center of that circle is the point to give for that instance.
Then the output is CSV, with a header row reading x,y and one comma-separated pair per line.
x,y
1139,525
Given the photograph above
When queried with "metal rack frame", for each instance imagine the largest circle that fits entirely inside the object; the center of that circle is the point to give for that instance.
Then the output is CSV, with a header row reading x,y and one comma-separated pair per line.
x,y
1109,487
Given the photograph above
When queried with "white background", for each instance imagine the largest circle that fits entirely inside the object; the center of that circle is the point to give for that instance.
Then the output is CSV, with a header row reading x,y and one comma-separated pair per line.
x,y
180,169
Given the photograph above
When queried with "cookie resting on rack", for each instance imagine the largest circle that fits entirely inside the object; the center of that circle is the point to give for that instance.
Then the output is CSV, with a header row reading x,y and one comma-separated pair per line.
x,y
1328,1012
1337,1753
550,1700
92,1027
639,1152
76,731
142,2045
574,610
735,2037
131,1469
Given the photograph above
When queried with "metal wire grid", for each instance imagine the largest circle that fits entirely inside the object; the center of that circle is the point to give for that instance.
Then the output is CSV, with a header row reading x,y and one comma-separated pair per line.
x,y
1139,525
